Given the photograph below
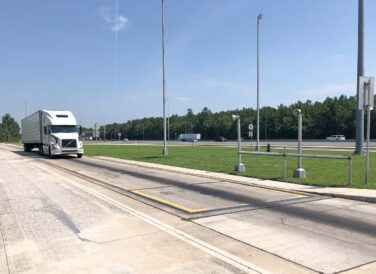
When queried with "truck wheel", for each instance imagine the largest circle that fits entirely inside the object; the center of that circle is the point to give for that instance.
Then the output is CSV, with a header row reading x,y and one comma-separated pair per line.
x,y
41,150
79,155
27,148
49,152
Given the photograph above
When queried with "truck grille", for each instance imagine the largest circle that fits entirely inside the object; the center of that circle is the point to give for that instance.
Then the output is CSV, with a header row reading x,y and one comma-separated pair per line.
x,y
69,143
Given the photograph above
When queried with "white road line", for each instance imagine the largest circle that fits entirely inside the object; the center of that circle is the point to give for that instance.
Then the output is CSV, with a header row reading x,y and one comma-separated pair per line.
x,y
193,241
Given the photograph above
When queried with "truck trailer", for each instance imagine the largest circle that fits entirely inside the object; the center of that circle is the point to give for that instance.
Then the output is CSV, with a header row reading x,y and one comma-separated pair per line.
x,y
52,133
189,137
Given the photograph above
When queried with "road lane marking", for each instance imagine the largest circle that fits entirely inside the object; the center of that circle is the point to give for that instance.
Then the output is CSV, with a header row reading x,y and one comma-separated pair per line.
x,y
166,202
119,161
154,198
193,241
84,174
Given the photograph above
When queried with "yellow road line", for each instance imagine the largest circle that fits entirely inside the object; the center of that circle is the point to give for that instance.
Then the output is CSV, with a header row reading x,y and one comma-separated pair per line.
x,y
220,180
163,201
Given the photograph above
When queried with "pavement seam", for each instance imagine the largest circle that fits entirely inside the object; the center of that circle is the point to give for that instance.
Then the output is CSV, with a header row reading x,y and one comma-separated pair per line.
x,y
191,173
355,267
193,241
5,248
367,199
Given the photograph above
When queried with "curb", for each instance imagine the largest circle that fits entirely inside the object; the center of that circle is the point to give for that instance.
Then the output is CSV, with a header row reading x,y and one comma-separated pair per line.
x,y
368,199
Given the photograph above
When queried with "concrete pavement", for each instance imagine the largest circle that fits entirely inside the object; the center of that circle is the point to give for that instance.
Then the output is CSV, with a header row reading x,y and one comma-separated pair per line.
x,y
53,222
366,195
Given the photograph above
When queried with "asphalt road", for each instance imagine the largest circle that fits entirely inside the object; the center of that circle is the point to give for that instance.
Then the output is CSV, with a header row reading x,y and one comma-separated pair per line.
x,y
280,144
292,232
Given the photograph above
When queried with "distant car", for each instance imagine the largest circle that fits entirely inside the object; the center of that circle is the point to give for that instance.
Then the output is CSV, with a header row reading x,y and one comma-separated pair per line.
x,y
220,139
183,140
125,140
336,138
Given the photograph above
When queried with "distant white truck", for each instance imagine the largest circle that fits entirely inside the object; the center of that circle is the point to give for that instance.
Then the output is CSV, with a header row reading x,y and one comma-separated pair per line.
x,y
52,132
189,137
336,138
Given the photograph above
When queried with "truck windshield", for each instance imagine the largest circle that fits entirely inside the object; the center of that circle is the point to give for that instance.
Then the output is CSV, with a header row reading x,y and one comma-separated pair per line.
x,y
63,129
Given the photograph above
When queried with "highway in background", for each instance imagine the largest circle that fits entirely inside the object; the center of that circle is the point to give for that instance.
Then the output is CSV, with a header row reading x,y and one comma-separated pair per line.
x,y
277,144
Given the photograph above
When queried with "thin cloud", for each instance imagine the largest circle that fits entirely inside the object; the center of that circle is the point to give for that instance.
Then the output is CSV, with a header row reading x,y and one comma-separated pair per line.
x,y
183,99
117,22
331,90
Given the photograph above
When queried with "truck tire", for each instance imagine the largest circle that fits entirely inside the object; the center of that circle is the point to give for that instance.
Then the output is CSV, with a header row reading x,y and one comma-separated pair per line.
x,y
79,155
41,150
27,148
49,152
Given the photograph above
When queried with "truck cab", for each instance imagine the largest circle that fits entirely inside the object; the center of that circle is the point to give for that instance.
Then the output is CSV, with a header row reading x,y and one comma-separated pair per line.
x,y
53,133
61,135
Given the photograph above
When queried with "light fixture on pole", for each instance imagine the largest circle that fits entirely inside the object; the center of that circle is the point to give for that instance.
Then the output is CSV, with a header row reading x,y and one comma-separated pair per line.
x,y
259,17
165,151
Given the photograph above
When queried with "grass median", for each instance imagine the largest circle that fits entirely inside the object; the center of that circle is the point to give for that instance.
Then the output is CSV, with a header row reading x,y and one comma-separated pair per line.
x,y
320,172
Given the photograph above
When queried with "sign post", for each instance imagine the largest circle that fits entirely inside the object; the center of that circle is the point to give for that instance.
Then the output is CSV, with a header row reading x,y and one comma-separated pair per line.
x,y
250,132
366,102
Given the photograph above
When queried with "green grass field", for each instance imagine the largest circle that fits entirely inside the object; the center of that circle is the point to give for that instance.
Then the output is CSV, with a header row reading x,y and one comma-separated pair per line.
x,y
320,172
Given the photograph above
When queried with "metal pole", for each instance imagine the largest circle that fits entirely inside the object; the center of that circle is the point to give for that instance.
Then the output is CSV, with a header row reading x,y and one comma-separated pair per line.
x,y
284,167
258,85
239,166
96,139
239,142
368,137
299,172
360,113
350,172
300,139
168,120
165,151
25,107
104,130
265,125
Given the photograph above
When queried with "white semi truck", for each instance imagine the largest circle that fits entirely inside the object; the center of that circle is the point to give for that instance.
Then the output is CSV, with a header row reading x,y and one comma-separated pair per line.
x,y
190,137
52,132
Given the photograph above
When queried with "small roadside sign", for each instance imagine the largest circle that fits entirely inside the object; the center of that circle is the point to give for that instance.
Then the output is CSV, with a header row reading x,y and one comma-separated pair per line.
x,y
250,127
366,91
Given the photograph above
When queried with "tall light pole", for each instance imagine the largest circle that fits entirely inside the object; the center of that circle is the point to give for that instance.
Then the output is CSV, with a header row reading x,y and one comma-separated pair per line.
x,y
360,113
165,151
259,17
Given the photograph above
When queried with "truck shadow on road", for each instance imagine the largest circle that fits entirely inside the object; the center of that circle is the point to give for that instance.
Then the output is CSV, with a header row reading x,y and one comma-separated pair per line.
x,y
35,154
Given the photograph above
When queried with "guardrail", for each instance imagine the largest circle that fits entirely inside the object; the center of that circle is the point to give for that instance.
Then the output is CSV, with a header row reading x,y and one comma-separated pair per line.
x,y
321,156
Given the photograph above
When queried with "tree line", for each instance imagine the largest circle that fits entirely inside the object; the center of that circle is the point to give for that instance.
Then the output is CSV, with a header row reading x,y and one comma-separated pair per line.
x,y
320,119
9,129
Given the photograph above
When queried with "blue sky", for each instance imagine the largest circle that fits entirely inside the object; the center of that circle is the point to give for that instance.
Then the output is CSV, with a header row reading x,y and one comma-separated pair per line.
x,y
61,55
